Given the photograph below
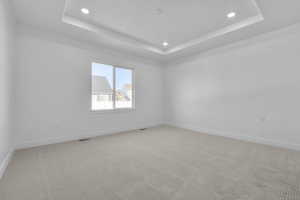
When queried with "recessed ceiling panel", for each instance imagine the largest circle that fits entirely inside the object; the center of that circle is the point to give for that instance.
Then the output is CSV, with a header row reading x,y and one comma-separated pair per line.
x,y
151,23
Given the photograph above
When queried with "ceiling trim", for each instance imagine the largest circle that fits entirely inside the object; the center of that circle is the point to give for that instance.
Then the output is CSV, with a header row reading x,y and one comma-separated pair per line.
x,y
227,29
114,35
111,34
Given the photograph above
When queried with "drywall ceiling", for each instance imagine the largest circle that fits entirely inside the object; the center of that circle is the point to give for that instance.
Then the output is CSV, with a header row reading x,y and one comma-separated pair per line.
x,y
150,23
141,27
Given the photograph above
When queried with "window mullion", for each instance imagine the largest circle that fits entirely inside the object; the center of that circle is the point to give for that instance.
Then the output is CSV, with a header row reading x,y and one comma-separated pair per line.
x,y
114,88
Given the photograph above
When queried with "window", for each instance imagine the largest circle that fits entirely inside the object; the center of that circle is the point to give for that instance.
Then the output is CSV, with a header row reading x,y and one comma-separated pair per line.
x,y
112,87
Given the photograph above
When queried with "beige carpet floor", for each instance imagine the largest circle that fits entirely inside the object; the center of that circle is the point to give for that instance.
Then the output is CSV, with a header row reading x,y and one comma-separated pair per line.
x,y
161,163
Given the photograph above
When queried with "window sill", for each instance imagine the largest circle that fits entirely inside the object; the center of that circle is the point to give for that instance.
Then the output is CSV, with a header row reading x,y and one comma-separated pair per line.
x,y
118,110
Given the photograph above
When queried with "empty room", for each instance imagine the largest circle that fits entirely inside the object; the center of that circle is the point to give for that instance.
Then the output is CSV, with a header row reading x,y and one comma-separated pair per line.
x,y
149,100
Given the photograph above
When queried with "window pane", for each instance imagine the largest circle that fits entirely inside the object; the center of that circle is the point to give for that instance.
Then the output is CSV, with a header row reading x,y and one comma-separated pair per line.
x,y
102,87
123,88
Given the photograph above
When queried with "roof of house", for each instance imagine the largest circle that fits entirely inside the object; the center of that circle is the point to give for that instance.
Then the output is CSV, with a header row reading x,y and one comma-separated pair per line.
x,y
100,85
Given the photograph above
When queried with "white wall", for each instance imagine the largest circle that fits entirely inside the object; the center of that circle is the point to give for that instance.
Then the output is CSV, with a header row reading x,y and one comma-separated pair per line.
x,y
6,52
53,90
249,90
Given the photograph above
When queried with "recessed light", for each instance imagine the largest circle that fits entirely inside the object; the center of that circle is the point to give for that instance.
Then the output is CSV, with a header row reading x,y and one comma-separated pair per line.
x,y
165,44
85,11
231,15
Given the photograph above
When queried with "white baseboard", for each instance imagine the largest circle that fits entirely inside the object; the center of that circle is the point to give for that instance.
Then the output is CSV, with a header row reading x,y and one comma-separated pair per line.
x,y
239,136
90,134
5,162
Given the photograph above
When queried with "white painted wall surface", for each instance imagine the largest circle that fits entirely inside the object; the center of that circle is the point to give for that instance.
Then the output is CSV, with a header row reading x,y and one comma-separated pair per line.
x,y
6,64
249,90
53,91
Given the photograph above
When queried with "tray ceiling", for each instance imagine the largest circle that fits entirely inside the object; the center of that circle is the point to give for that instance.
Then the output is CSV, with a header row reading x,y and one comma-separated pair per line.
x,y
138,28
148,24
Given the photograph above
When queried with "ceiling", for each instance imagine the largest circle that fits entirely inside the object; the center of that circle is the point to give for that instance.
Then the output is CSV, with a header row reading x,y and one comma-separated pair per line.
x,y
141,27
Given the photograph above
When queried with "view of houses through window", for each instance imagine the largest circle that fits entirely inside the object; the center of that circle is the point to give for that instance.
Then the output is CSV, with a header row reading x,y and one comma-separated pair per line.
x,y
112,87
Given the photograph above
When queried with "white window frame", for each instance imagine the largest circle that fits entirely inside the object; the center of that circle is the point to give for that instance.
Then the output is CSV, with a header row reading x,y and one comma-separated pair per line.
x,y
114,109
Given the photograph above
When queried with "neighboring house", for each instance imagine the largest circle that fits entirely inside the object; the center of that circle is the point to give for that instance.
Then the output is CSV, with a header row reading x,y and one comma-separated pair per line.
x,y
127,89
103,91
121,96
124,94
101,88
